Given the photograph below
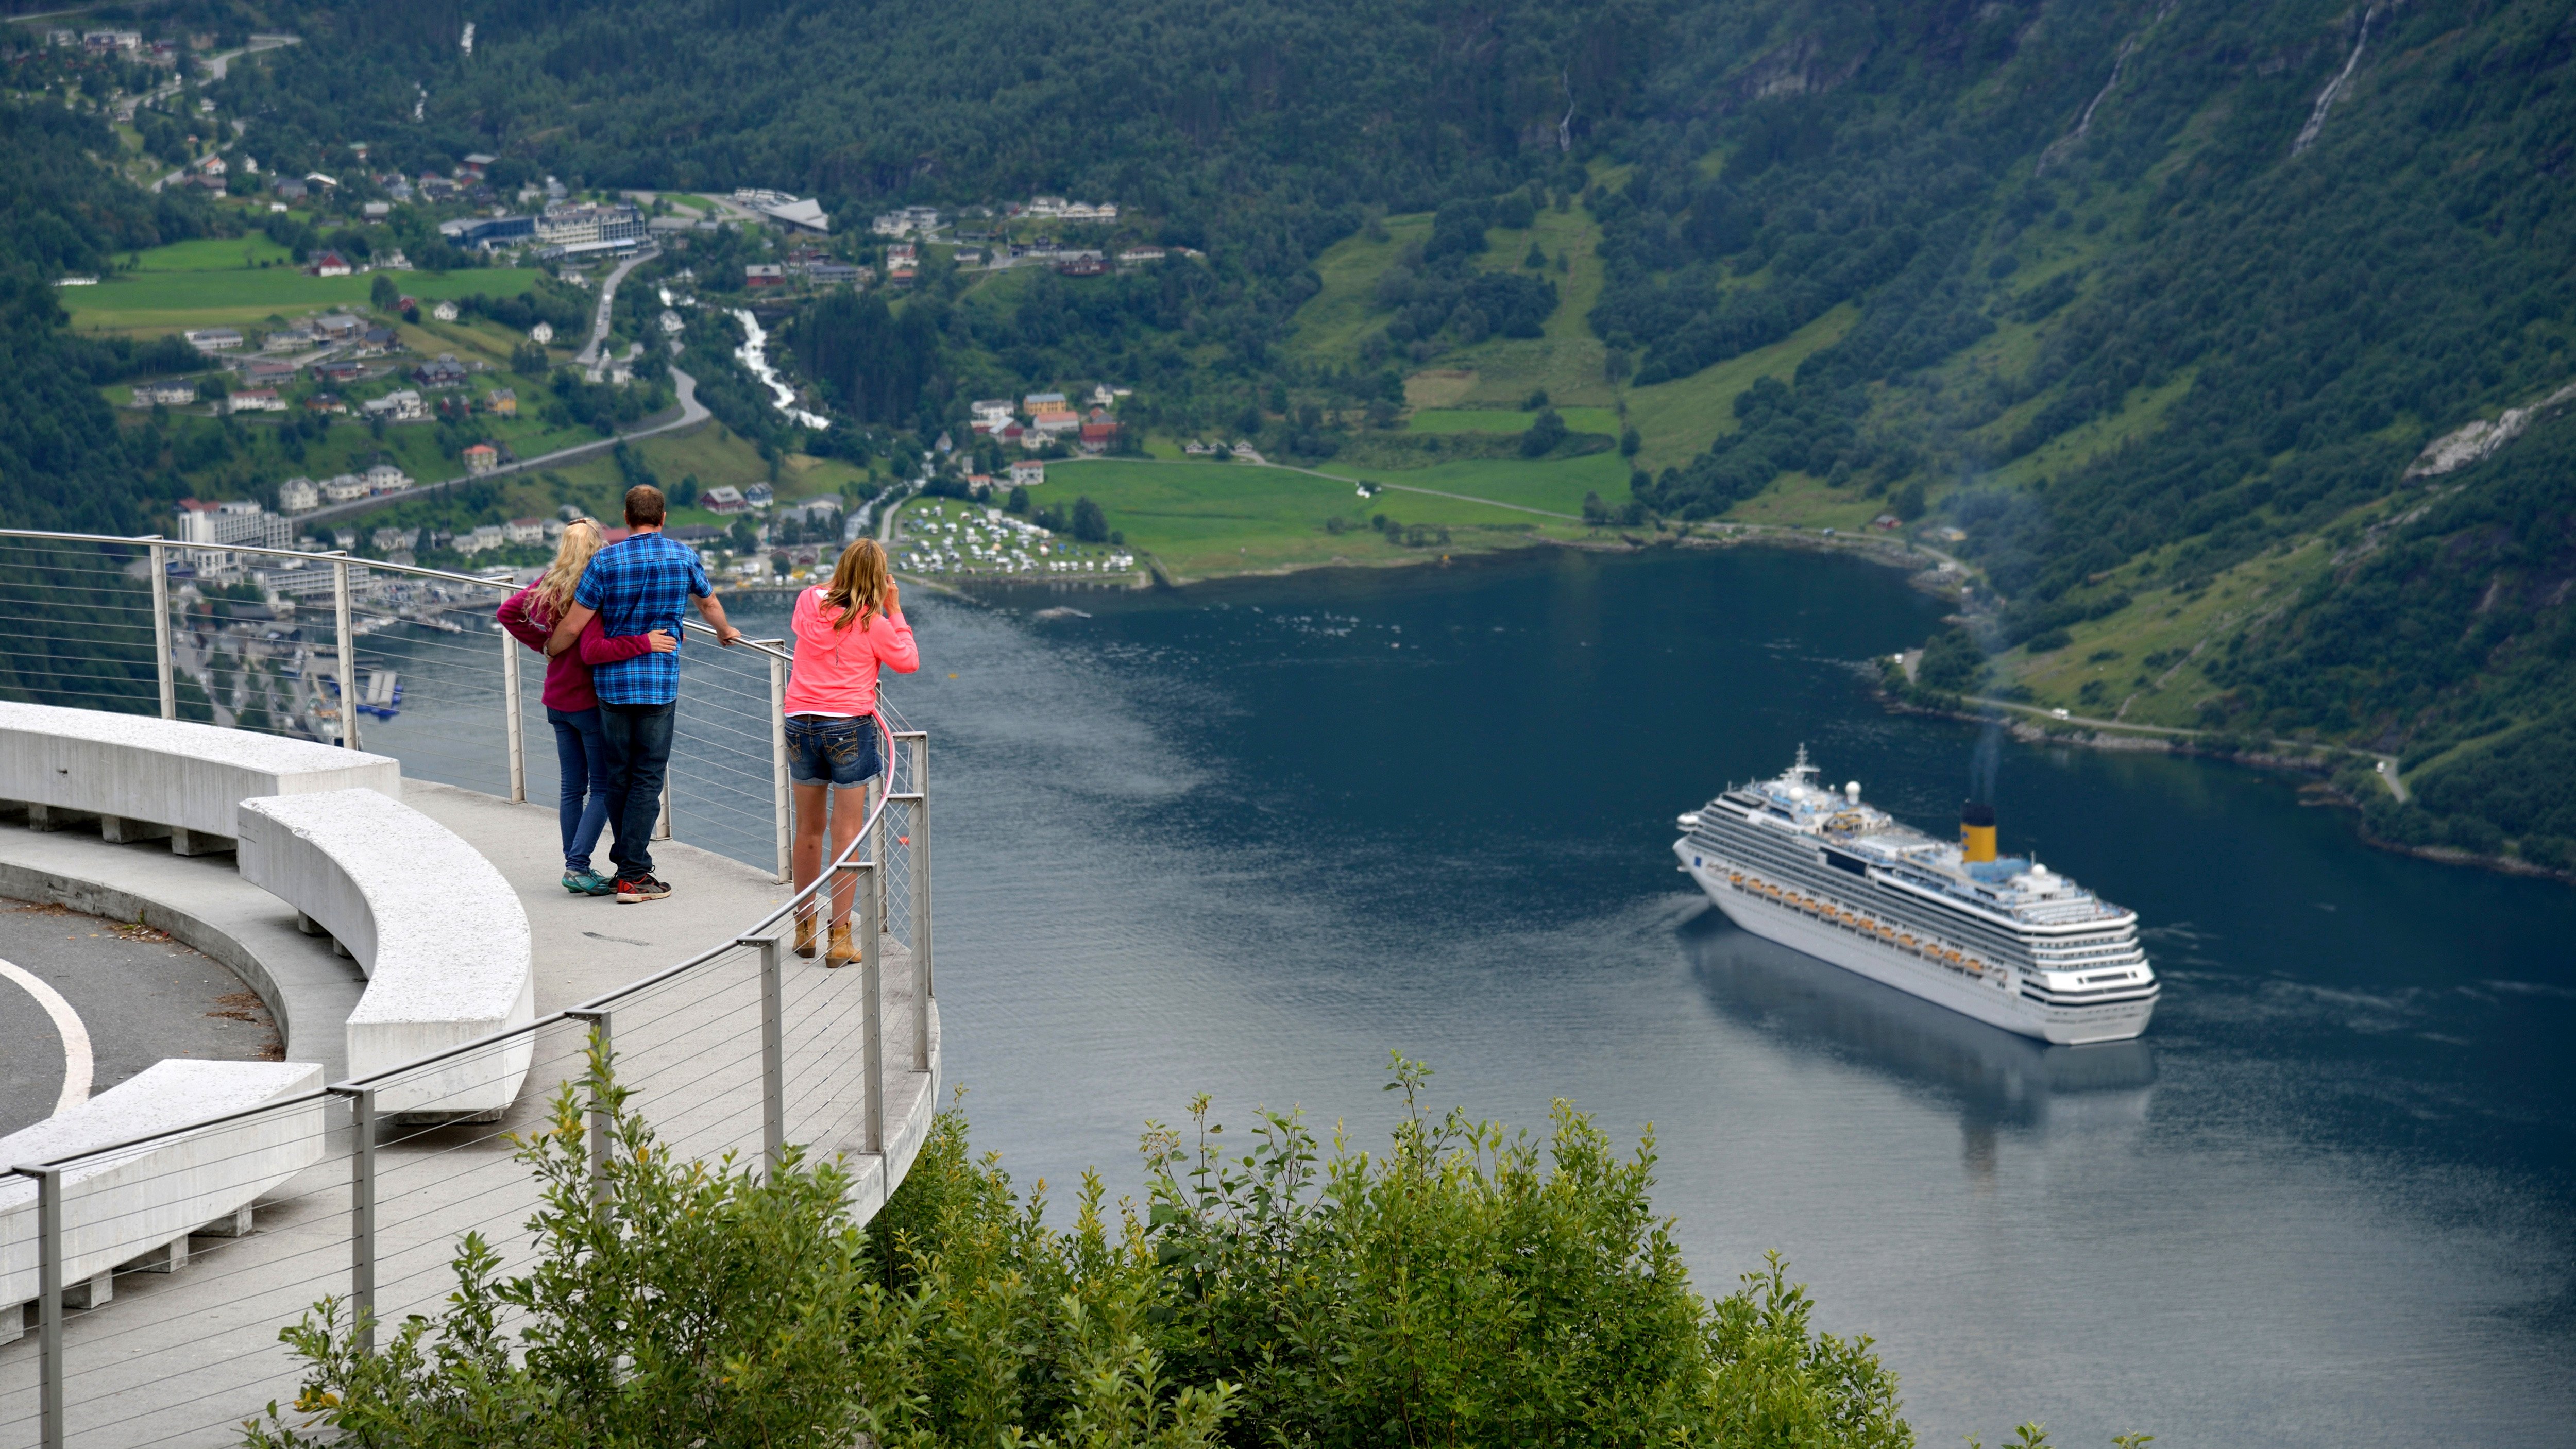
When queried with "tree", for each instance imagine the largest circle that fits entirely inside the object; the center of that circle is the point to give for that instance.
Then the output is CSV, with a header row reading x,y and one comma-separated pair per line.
x,y
1545,432
1018,502
383,293
1090,525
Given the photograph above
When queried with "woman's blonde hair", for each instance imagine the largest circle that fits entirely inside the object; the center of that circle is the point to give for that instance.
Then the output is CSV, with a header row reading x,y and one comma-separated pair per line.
x,y
859,584
581,539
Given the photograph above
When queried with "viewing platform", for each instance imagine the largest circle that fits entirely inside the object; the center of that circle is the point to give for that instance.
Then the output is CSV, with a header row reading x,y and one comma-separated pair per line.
x,y
728,1042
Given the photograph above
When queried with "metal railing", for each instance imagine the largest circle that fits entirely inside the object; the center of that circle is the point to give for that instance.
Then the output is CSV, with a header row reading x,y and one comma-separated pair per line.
x,y
739,1050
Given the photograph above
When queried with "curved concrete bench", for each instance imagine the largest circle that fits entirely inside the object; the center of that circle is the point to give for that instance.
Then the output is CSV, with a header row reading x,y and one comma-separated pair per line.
x,y
442,938
147,1201
145,777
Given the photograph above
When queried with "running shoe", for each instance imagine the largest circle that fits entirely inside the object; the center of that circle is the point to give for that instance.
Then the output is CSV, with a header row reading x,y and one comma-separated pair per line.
x,y
588,883
633,888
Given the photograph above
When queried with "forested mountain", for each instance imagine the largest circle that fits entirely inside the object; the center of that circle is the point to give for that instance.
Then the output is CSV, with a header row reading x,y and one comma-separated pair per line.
x,y
63,464
2137,293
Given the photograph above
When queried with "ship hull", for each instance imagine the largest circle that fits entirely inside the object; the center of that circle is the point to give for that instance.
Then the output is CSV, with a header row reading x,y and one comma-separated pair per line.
x,y
1985,999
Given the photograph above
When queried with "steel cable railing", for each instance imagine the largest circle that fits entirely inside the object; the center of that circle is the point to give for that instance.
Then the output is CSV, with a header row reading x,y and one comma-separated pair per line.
x,y
741,1049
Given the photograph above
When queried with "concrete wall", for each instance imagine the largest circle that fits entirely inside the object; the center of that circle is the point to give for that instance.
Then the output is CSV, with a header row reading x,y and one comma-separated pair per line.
x,y
166,772
121,1207
442,938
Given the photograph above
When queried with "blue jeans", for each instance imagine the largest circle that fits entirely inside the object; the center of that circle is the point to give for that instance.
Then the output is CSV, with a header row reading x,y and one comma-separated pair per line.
x,y
842,752
581,758
639,756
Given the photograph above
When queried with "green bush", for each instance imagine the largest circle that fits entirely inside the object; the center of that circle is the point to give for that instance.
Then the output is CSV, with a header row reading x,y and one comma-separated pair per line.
x,y
1468,1286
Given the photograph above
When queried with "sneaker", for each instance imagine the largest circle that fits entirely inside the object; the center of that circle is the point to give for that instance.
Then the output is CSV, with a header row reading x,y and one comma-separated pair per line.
x,y
588,883
633,888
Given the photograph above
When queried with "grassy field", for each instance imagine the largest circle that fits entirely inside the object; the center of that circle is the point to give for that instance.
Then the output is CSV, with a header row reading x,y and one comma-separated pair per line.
x,y
1200,520
1498,420
1680,418
215,254
1556,485
154,302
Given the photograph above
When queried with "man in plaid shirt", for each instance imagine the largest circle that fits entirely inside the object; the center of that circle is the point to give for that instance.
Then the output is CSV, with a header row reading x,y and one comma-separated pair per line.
x,y
636,586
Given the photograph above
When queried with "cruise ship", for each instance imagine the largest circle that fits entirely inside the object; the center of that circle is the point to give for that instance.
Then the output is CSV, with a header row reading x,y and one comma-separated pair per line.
x,y
2007,941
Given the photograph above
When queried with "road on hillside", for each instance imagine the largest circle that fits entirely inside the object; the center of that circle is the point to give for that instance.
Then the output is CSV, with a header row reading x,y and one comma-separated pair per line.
x,y
692,413
590,357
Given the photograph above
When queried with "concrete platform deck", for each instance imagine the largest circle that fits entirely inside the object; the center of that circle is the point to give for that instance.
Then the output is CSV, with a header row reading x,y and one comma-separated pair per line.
x,y
184,1358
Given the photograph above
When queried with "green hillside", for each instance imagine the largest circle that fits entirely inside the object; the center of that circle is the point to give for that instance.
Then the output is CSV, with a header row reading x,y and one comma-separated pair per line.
x,y
2145,306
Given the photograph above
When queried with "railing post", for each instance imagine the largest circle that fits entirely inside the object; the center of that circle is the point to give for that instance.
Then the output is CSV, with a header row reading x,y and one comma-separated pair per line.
x,y
877,801
512,724
600,1122
920,865
918,742
779,794
161,659
348,652
773,1049
872,1011
362,1216
49,1301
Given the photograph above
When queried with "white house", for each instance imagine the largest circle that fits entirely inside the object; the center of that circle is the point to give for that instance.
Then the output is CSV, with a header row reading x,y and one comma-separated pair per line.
x,y
386,478
1027,473
444,311
524,530
214,339
255,400
542,333
400,407
166,394
298,495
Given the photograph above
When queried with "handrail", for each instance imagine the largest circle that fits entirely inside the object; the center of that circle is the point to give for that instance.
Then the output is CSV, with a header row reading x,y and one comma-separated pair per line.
x,y
341,556
902,748
823,878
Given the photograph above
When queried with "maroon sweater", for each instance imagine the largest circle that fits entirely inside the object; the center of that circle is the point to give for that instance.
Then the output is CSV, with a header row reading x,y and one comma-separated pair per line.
x,y
567,674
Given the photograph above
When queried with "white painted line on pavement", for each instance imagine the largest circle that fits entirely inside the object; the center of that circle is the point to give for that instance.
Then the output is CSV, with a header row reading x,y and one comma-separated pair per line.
x,y
76,1053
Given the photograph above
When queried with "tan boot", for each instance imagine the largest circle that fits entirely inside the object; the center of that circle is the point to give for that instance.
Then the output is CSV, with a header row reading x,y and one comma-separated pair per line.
x,y
805,937
843,950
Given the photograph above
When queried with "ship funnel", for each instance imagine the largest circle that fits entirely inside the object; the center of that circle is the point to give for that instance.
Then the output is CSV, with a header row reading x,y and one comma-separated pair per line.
x,y
1976,832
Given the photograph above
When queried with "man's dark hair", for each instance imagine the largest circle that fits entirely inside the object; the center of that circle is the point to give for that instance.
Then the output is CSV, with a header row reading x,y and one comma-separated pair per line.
x,y
643,506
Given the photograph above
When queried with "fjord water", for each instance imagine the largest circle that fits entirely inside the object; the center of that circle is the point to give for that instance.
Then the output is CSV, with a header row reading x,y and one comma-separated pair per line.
x,y
1246,839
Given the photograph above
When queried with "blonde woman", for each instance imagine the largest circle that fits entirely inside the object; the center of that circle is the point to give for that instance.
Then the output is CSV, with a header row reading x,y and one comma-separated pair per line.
x,y
845,631
581,751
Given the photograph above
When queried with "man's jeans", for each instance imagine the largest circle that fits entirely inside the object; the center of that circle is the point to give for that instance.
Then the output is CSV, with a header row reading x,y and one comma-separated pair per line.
x,y
639,756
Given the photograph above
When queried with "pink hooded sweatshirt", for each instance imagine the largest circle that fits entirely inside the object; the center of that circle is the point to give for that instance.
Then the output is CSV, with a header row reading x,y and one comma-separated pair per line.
x,y
836,669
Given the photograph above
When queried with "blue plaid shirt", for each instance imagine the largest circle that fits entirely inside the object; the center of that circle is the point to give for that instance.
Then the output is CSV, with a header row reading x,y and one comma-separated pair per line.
x,y
638,586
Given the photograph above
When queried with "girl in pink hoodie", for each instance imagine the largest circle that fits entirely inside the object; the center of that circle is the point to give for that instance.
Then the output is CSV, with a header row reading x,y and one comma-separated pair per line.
x,y
845,631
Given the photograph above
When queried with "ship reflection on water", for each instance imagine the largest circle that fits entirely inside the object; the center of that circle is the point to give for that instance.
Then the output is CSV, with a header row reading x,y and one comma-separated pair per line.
x,y
1994,1079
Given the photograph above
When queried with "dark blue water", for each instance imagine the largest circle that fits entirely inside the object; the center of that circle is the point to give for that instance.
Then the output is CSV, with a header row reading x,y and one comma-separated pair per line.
x,y
1248,839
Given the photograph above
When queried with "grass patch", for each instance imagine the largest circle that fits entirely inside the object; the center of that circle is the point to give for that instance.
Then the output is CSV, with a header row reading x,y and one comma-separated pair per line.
x,y
1680,418
171,301
1554,484
1202,520
1496,420
1798,500
214,254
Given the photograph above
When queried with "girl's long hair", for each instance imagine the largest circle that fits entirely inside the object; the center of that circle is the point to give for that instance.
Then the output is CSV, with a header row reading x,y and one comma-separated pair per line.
x,y
581,539
859,583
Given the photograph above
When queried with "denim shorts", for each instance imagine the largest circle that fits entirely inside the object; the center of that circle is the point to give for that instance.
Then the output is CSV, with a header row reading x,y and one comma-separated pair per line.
x,y
842,752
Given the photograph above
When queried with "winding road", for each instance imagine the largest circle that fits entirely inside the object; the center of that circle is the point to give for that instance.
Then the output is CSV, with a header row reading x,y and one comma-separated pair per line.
x,y
692,413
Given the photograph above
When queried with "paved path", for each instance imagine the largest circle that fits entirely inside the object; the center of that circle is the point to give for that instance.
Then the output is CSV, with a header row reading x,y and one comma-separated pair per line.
x,y
134,995
590,355
692,413
2385,766
183,1358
